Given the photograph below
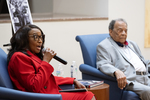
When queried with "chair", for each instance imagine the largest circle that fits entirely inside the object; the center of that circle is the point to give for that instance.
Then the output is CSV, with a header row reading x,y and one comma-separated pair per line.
x,y
7,91
88,44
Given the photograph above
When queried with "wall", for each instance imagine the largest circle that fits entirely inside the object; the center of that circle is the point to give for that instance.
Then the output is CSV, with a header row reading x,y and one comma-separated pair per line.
x,y
6,33
60,36
71,7
41,6
81,7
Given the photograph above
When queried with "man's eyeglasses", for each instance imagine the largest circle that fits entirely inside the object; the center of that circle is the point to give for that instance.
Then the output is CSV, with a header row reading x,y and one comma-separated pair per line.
x,y
36,37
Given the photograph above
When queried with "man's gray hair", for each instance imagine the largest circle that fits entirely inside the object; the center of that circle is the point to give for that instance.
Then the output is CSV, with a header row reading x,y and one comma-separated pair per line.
x,y
112,23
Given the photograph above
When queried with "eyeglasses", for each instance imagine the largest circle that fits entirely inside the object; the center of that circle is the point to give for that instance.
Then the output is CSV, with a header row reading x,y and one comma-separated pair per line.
x,y
36,37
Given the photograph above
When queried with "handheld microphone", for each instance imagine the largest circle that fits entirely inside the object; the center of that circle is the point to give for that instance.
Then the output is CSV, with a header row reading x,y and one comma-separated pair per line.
x,y
57,58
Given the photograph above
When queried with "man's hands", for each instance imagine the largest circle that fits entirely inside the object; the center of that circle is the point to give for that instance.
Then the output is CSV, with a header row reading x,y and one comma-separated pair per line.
x,y
121,79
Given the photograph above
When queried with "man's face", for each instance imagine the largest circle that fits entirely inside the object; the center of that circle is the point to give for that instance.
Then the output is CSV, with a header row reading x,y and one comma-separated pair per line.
x,y
119,33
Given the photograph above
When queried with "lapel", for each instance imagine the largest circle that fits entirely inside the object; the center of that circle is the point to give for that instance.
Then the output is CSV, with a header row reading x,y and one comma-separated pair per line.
x,y
34,57
118,49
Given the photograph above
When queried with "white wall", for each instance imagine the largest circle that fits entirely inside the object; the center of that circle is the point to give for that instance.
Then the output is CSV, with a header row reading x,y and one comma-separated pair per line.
x,y
41,6
71,7
60,36
5,34
81,7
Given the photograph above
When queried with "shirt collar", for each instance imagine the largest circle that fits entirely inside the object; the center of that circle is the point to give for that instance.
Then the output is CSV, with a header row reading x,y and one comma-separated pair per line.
x,y
122,45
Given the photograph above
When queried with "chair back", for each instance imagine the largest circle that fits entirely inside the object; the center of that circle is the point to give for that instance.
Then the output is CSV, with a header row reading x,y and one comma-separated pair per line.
x,y
5,80
88,45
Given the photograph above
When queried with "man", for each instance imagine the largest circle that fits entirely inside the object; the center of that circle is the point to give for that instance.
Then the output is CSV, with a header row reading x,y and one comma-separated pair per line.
x,y
122,59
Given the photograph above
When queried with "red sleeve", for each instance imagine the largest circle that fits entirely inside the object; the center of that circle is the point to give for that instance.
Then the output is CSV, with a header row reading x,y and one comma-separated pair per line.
x,y
31,76
64,80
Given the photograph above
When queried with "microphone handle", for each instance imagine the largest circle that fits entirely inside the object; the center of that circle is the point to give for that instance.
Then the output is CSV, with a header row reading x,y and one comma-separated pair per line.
x,y
60,60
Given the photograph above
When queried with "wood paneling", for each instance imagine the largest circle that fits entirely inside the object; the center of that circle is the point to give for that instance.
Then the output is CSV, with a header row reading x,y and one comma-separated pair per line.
x,y
147,23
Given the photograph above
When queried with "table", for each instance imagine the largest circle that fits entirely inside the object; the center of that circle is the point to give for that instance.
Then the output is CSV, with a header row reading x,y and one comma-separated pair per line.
x,y
101,92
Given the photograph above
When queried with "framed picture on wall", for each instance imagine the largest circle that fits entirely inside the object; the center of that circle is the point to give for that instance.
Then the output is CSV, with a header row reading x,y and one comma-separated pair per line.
x,y
19,12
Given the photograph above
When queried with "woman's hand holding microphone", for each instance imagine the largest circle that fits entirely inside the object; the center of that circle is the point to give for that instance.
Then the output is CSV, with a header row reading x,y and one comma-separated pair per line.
x,y
48,54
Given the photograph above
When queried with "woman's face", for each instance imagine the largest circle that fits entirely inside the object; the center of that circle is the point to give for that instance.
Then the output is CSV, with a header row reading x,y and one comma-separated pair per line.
x,y
35,40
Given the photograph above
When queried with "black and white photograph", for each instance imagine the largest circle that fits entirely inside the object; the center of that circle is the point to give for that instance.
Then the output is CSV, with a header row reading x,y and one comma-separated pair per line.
x,y
19,12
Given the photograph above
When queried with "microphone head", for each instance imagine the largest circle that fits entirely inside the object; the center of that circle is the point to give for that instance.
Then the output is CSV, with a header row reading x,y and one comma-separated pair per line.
x,y
43,50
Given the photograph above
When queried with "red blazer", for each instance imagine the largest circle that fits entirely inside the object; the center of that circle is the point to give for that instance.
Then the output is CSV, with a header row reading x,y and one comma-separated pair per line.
x,y
34,75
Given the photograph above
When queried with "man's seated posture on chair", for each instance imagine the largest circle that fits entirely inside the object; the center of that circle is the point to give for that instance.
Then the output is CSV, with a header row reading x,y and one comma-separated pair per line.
x,y
122,59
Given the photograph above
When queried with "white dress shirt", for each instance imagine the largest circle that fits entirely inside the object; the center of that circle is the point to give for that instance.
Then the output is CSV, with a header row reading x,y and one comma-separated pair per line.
x,y
133,58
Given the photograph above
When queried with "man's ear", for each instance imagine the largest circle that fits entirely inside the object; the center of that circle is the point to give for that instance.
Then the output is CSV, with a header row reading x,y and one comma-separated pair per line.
x,y
110,32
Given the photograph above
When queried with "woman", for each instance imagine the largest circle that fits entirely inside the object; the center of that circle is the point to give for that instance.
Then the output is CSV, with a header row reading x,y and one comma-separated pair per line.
x,y
30,70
